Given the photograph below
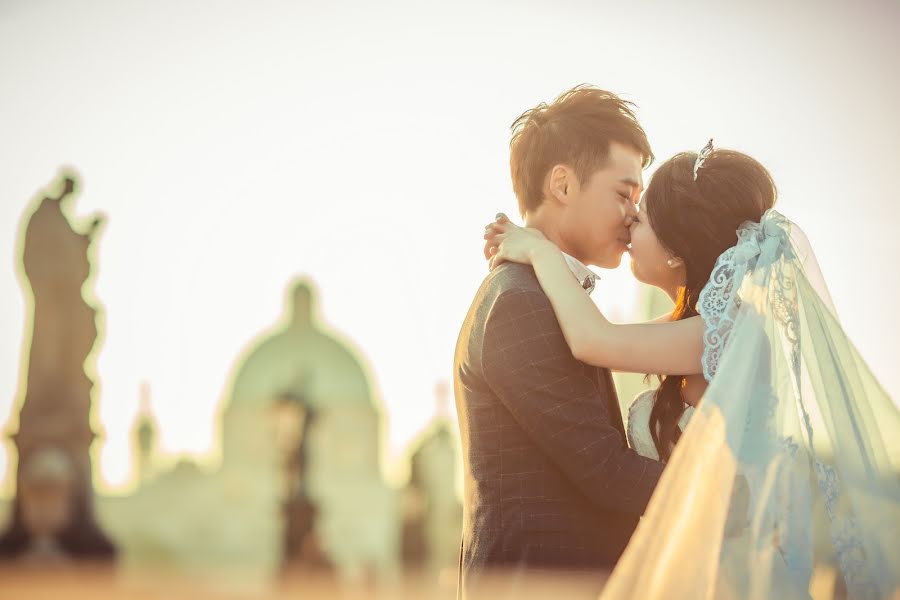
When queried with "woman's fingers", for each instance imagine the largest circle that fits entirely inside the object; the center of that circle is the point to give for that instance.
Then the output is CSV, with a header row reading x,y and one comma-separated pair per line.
x,y
492,240
490,244
498,256
499,226
489,249
490,234
496,260
494,234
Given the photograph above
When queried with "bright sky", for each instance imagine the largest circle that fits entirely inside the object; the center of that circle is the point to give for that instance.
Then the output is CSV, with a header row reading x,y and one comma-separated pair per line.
x,y
235,145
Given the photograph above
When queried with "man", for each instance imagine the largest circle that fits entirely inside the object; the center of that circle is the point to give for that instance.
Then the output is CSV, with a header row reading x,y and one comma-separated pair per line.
x,y
549,480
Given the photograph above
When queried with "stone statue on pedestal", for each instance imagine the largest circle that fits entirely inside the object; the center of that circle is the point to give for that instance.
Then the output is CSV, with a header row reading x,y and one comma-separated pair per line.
x,y
53,513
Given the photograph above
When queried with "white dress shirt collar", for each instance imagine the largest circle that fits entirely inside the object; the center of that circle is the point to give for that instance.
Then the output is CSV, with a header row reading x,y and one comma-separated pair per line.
x,y
586,277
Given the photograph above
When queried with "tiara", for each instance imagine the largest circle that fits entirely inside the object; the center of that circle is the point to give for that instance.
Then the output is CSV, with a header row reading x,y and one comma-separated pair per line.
x,y
702,156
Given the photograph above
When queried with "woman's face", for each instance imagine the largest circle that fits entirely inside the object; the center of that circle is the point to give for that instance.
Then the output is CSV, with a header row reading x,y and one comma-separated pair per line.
x,y
649,259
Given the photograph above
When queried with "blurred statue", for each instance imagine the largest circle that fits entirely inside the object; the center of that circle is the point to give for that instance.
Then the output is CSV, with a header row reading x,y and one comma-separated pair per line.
x,y
432,509
53,509
293,419
337,507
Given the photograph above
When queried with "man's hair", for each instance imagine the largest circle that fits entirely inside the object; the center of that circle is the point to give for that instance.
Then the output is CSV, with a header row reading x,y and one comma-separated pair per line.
x,y
575,130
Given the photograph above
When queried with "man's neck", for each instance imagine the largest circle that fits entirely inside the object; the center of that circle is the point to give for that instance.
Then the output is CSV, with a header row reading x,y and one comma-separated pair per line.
x,y
550,229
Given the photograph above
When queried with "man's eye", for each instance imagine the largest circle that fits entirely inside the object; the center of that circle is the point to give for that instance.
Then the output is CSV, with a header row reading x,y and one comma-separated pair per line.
x,y
625,196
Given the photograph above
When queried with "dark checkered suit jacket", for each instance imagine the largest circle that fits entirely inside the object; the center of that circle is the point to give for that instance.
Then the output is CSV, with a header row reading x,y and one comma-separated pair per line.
x,y
549,479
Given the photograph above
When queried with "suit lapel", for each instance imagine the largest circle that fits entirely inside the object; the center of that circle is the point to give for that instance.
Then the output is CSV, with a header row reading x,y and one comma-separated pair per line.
x,y
612,398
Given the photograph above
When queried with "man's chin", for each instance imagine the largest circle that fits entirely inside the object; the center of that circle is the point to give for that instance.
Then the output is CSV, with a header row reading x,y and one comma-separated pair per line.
x,y
610,261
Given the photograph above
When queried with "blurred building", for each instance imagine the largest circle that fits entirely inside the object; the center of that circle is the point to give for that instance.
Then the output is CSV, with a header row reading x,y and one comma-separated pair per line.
x,y
300,485
432,512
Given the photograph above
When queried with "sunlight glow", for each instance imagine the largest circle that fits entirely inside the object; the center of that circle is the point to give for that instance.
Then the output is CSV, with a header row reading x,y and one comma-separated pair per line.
x,y
233,148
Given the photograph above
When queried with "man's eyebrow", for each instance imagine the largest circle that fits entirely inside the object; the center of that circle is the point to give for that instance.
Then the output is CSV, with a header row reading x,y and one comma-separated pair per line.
x,y
631,182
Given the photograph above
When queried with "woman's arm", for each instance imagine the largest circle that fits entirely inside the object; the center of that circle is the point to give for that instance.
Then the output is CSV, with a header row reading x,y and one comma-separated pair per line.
x,y
674,347
656,347
663,318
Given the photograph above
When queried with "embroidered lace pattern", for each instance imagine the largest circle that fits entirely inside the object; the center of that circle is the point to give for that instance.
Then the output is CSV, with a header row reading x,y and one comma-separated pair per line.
x,y
718,311
719,303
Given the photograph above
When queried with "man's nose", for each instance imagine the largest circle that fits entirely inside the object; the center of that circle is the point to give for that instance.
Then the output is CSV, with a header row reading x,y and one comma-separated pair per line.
x,y
630,213
630,216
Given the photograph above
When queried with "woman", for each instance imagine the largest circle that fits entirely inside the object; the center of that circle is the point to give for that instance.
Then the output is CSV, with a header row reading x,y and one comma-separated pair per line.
x,y
783,401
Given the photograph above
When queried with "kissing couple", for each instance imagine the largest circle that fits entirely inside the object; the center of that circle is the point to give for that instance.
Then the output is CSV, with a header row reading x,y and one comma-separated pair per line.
x,y
767,435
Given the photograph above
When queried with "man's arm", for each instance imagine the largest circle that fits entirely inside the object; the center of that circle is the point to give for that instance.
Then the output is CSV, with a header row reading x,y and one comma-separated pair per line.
x,y
529,366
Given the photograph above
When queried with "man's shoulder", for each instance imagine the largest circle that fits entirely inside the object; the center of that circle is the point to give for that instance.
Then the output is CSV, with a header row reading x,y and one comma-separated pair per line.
x,y
512,293
510,288
512,278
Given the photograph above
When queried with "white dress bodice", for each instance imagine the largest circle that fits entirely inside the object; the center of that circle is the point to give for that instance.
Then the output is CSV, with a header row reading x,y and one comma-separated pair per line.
x,y
638,431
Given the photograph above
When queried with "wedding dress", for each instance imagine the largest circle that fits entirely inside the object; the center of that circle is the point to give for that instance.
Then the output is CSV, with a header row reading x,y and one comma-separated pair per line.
x,y
638,431
737,539
792,421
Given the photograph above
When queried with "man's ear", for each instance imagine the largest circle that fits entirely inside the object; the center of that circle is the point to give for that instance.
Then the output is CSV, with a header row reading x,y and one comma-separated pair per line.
x,y
560,180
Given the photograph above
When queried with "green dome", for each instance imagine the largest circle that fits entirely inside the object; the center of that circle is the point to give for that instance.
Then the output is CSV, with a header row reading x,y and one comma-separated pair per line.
x,y
301,361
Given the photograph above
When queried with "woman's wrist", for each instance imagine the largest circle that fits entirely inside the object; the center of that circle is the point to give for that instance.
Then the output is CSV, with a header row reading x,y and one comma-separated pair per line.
x,y
542,250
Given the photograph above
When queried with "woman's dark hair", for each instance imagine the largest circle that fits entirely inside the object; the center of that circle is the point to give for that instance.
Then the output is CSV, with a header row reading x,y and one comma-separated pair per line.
x,y
697,221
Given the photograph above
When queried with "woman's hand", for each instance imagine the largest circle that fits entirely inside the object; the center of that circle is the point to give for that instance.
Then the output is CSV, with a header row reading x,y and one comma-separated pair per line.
x,y
506,241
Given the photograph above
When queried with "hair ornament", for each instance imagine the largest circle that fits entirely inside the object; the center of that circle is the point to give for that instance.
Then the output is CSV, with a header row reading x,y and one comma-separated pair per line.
x,y
702,156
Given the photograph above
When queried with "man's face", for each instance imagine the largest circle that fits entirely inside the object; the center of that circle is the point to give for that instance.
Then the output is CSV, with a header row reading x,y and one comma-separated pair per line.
x,y
597,218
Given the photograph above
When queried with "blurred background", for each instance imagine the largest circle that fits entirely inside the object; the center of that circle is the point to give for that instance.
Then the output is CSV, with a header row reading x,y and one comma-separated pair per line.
x,y
261,224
